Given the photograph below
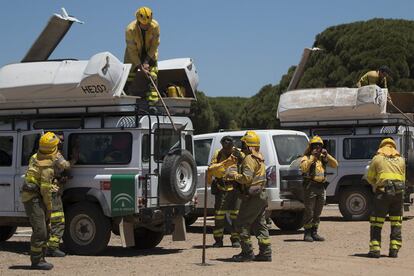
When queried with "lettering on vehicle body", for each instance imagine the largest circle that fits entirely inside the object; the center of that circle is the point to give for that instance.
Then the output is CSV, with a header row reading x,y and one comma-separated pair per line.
x,y
94,89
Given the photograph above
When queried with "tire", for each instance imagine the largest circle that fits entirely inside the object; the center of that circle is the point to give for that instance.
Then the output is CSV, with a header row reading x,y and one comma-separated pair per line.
x,y
410,168
87,230
190,219
147,239
355,203
178,177
6,232
288,220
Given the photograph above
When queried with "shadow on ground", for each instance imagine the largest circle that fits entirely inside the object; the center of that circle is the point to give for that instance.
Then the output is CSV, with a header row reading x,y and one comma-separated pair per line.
x,y
364,255
19,247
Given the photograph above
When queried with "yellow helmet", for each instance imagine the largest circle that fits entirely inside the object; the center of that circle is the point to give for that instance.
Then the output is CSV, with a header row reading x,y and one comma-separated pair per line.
x,y
388,141
48,143
316,140
251,139
144,15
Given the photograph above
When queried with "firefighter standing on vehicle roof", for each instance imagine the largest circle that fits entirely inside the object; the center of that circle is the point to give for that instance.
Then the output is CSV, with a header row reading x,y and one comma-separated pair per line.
x,y
142,40
313,165
225,192
386,174
378,77
36,196
57,217
251,218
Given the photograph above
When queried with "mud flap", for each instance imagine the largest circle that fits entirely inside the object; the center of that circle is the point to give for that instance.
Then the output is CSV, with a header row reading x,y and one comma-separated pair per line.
x,y
180,232
126,231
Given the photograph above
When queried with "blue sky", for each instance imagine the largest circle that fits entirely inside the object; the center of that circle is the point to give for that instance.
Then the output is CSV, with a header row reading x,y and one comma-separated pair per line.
x,y
238,46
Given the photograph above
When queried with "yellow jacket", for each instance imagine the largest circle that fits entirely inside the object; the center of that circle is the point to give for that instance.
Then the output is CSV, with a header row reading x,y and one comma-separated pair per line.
x,y
385,166
372,77
135,43
221,165
308,160
253,171
41,171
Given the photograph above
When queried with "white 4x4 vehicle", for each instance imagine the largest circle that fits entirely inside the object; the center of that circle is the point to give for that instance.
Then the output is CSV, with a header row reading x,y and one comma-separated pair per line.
x,y
135,175
280,148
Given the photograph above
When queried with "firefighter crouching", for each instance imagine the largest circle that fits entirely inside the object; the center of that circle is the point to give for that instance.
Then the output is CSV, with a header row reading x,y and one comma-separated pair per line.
x,y
386,174
225,192
313,166
251,218
36,196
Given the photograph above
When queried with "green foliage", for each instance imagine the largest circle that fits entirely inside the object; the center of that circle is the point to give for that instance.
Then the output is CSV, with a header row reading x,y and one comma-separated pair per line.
x,y
202,115
227,111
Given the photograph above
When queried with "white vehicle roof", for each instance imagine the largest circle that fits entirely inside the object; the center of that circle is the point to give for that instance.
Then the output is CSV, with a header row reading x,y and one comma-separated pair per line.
x,y
242,132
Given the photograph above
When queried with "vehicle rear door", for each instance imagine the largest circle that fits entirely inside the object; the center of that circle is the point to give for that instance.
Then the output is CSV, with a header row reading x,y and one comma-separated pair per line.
x,y
8,141
203,153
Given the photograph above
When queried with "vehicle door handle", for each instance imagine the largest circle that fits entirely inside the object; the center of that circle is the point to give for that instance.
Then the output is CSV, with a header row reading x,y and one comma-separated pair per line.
x,y
5,184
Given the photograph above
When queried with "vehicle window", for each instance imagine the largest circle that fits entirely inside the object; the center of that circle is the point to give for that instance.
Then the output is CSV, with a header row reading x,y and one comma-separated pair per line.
x,y
330,146
202,151
102,148
165,140
144,148
30,146
361,148
6,151
189,143
289,147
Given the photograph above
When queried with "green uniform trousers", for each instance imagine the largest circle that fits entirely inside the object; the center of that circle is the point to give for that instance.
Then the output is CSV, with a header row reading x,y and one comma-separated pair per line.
x,y
226,202
36,212
57,221
384,204
251,219
314,199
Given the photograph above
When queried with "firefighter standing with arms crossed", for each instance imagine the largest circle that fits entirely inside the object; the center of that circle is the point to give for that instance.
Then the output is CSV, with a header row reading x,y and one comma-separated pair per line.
x,y
225,192
313,166
37,196
386,174
251,182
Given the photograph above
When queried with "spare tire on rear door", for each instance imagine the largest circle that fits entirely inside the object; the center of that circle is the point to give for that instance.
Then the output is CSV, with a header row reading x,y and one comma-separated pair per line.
x,y
178,177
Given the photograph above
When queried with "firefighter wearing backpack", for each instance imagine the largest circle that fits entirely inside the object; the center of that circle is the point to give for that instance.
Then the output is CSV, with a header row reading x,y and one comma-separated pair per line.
x,y
386,174
251,181
313,166
36,196
225,193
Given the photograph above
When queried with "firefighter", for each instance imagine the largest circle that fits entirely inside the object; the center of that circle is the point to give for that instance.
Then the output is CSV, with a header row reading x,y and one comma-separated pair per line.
x,y
313,165
226,195
251,218
378,77
37,197
142,40
57,216
386,174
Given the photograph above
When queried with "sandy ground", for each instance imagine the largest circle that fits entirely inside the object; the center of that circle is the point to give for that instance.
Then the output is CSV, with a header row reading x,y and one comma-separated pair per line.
x,y
344,253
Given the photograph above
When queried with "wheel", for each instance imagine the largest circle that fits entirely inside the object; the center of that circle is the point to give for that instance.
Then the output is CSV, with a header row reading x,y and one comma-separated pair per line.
x,y
6,232
410,167
190,219
147,239
355,203
178,177
288,220
87,230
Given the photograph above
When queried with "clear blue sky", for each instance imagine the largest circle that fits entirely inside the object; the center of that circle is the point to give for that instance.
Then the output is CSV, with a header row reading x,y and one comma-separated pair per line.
x,y
238,46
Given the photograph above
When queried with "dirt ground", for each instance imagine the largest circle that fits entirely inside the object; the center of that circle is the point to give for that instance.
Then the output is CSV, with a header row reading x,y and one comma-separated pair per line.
x,y
344,253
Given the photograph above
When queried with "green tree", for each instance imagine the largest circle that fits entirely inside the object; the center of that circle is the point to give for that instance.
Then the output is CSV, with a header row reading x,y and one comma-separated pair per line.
x,y
202,114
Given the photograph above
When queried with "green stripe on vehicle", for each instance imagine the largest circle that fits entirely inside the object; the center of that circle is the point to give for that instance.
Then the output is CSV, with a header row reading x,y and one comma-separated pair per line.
x,y
122,194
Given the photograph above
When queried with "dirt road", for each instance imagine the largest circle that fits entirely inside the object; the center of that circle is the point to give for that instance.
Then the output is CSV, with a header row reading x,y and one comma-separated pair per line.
x,y
344,253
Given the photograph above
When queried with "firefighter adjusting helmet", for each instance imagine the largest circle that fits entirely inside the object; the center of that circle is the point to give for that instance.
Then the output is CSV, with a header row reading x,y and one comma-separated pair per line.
x,y
251,139
144,15
48,143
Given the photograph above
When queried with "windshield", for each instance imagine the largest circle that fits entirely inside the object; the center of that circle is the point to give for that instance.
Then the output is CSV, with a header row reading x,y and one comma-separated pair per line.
x,y
289,147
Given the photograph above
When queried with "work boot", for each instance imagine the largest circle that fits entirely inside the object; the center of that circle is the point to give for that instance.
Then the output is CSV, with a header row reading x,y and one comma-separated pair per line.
x,y
393,253
235,244
308,236
218,243
315,236
374,254
41,265
243,257
55,252
262,258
